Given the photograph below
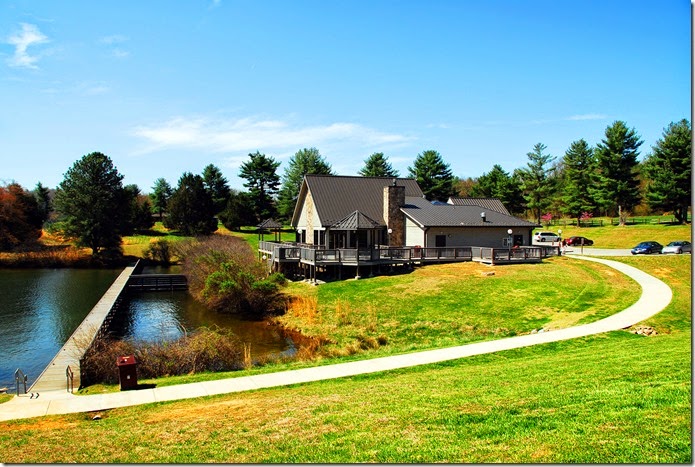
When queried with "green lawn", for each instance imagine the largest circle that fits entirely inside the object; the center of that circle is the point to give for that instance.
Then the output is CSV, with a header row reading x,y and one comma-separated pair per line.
x,y
626,236
611,398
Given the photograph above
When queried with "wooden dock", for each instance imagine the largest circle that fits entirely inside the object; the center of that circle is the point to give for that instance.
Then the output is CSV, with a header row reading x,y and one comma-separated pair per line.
x,y
53,377
156,282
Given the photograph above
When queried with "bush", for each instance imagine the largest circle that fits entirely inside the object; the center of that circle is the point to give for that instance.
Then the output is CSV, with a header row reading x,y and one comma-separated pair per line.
x,y
224,274
159,251
204,350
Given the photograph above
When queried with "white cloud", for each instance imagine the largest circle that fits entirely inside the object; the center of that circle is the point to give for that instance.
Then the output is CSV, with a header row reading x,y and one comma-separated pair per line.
x,y
114,39
30,35
249,134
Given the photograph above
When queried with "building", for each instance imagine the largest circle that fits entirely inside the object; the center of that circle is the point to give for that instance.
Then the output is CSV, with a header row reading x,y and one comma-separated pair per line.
x,y
371,212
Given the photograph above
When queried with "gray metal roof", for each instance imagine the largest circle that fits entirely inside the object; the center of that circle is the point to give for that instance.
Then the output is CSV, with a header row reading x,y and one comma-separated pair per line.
x,y
355,221
426,214
336,197
270,224
490,204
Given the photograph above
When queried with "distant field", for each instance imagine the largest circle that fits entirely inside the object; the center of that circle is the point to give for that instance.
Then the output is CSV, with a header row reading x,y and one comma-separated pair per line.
x,y
627,236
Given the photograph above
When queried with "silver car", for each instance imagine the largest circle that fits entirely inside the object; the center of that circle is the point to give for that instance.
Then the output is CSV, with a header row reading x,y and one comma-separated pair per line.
x,y
678,247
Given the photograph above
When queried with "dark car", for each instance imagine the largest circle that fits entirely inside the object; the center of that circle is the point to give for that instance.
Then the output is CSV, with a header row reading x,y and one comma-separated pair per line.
x,y
577,241
646,248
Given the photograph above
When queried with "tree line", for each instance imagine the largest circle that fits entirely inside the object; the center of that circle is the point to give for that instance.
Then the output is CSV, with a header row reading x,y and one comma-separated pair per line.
x,y
93,207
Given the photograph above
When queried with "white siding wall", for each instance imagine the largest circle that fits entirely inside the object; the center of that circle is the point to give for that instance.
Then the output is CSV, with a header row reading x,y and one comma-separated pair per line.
x,y
471,236
414,235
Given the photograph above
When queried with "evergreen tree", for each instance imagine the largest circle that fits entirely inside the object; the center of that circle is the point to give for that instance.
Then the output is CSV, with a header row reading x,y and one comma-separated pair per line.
x,y
237,212
217,186
377,165
43,200
262,181
161,193
304,162
191,210
669,169
578,166
536,183
433,175
92,203
499,184
615,184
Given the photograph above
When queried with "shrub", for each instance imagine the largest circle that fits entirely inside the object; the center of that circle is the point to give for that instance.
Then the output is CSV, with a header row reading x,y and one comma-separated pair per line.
x,y
204,350
159,251
224,275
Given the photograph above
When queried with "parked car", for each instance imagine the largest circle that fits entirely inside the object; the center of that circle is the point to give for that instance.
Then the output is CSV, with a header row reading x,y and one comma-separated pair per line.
x,y
646,248
546,237
678,247
577,241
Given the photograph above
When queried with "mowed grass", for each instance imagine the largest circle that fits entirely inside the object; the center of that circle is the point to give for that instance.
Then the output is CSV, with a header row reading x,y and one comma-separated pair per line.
x,y
453,304
617,398
611,398
626,236
135,245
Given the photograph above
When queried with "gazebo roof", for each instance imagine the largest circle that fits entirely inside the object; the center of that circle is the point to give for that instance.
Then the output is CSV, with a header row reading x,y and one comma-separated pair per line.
x,y
356,221
270,224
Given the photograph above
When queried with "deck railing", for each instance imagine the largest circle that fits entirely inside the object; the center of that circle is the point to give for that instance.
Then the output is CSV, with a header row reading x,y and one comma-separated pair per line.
x,y
314,254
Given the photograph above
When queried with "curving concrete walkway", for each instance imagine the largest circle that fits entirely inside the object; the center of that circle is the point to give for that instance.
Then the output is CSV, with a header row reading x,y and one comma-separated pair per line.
x,y
655,297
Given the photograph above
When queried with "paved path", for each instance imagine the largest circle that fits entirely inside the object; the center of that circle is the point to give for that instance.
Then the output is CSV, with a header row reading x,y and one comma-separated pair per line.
x,y
655,297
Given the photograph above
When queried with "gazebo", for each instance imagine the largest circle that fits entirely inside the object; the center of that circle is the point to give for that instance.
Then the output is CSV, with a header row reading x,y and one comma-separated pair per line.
x,y
272,225
354,230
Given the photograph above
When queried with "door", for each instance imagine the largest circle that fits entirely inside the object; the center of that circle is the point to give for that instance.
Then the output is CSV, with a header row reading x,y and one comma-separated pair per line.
x,y
440,241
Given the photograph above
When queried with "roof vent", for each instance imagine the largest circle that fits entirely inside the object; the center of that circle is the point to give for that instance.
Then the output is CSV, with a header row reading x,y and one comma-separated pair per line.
x,y
482,216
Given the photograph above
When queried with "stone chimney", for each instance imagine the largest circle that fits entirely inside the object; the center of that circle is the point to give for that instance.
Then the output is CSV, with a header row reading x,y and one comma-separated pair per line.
x,y
394,200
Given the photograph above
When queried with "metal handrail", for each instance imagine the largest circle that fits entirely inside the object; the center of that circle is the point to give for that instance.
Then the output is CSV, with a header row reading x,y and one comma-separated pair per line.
x,y
20,377
70,379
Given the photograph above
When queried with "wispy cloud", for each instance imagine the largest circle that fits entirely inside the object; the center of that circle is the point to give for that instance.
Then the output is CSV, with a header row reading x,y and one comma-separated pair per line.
x,y
115,41
29,36
250,134
587,117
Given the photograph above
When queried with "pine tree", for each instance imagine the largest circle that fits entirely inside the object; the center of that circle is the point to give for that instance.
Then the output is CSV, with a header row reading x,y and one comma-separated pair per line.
x,y
669,170
217,186
615,184
191,210
377,165
578,163
499,184
304,162
433,175
262,181
536,183
161,193
92,203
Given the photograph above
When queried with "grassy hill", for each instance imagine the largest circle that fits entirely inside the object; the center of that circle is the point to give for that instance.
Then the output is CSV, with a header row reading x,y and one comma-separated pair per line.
x,y
616,397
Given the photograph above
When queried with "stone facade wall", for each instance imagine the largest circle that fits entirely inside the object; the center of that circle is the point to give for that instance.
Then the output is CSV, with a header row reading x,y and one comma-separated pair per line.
x,y
394,200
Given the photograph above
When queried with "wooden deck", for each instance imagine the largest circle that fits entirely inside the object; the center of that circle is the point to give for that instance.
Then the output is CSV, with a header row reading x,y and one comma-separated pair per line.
x,y
53,377
319,256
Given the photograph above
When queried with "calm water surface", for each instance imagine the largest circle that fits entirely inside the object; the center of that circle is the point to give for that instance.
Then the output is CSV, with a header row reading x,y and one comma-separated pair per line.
x,y
40,309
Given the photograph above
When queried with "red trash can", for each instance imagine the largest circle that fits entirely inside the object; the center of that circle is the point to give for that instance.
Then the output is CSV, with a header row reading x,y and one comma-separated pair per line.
x,y
127,372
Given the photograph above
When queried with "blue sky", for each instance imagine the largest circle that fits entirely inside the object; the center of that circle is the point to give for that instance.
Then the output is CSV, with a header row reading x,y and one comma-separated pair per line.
x,y
167,87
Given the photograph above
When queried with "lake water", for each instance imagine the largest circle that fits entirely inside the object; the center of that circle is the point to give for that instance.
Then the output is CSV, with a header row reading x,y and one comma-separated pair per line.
x,y
40,309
